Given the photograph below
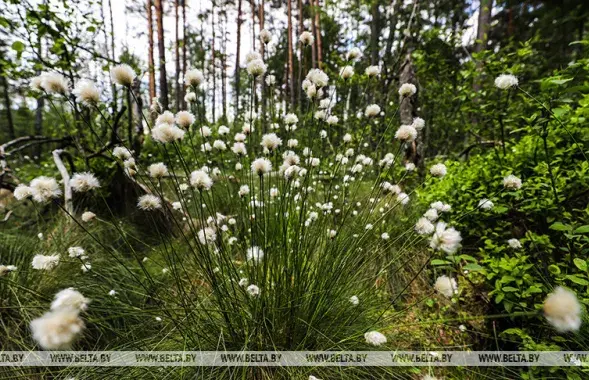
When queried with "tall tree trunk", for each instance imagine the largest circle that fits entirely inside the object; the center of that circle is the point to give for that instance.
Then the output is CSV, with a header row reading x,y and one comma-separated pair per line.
x,y
253,7
408,108
112,55
161,47
301,53
150,58
318,33
290,79
261,16
213,61
237,53
314,32
138,134
184,57
7,105
374,33
177,54
388,52
482,34
224,64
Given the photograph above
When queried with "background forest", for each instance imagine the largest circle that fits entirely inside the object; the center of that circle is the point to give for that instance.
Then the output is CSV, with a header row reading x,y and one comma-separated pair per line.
x,y
202,148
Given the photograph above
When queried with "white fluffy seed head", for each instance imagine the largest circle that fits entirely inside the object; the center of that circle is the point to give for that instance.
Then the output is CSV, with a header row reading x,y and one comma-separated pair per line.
x,y
123,74
57,330
158,170
22,192
54,83
347,72
167,133
261,166
407,89
45,262
256,67
438,170
165,118
219,145
418,123
375,338
82,182
372,110
353,54
512,182
87,93
290,118
193,77
149,202
44,188
562,310
69,299
406,133
446,286
88,216
121,153
265,36
445,239
184,119
505,81
372,71
316,77
200,180
239,149
271,141
306,38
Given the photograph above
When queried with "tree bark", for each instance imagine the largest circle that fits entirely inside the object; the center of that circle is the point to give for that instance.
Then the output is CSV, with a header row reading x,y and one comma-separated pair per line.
x,y
407,110
177,55
213,62
112,51
237,58
318,33
150,55
261,16
374,34
483,28
301,53
224,64
290,79
184,57
159,16
7,105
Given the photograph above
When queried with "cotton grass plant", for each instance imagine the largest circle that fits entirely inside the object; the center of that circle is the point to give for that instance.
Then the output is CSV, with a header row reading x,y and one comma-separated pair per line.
x,y
277,231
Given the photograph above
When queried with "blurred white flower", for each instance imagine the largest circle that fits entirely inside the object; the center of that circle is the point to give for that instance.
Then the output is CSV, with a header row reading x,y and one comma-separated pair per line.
x,y
446,286
123,74
375,338
505,81
562,310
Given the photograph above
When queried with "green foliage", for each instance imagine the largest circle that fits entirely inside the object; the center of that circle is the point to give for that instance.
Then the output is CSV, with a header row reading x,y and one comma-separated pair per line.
x,y
545,146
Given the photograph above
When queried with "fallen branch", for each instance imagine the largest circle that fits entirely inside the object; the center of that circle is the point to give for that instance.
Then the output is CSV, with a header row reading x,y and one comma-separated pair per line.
x,y
482,144
67,189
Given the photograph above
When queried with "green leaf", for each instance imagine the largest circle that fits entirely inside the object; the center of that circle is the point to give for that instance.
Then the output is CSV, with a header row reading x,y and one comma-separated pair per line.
x,y
554,269
440,262
582,230
509,289
577,280
559,226
581,264
473,267
499,298
18,46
